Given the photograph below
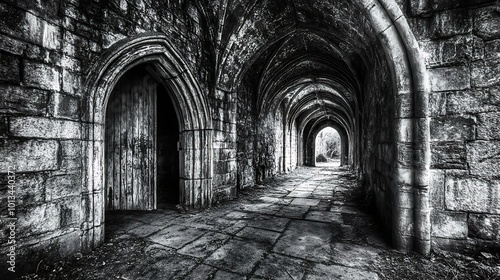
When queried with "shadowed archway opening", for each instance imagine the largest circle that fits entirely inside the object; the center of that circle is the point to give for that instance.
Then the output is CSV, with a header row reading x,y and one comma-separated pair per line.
x,y
141,140
168,154
327,150
369,81
166,68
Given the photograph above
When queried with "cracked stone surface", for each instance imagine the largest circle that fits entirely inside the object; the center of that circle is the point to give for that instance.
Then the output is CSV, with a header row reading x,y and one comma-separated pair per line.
x,y
271,232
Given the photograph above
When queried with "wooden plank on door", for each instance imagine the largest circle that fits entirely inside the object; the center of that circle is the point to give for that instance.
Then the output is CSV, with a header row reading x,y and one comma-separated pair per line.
x,y
131,144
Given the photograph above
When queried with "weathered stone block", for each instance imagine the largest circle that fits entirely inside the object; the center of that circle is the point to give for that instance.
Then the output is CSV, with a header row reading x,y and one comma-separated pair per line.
x,y
72,83
71,149
62,186
457,50
419,7
451,22
488,126
437,104
450,78
70,63
492,50
30,155
44,128
454,245
436,189
38,53
483,158
11,45
471,194
453,128
9,68
449,224
41,32
38,219
439,5
487,23
70,211
471,101
11,19
23,100
41,76
420,26
485,73
484,226
432,51
65,106
30,188
448,155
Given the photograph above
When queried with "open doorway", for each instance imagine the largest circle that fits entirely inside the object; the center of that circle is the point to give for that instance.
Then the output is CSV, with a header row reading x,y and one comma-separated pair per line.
x,y
141,157
327,147
168,154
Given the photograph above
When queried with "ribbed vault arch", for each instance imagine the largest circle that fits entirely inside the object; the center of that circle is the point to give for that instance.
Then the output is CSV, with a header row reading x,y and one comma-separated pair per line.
x,y
303,83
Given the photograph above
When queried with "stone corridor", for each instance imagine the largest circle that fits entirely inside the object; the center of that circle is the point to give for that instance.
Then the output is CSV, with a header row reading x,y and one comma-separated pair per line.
x,y
309,224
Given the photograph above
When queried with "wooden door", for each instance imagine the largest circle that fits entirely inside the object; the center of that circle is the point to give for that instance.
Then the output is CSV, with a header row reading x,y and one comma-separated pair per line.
x,y
131,143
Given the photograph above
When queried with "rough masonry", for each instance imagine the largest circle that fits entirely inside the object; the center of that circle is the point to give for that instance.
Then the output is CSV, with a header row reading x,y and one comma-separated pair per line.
x,y
412,87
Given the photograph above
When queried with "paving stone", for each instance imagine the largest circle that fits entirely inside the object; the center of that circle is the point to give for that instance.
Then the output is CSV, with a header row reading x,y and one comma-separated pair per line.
x,y
269,223
205,245
263,236
322,216
176,236
277,200
353,255
201,272
172,267
233,229
305,202
299,194
237,256
321,271
307,240
224,275
145,230
347,210
258,207
277,266
238,215
293,211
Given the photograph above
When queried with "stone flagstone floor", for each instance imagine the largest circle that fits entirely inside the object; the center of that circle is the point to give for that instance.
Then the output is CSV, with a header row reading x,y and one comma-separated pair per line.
x,y
304,225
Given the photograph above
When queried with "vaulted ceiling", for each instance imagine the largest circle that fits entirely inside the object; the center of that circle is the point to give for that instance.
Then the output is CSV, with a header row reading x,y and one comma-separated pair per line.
x,y
310,57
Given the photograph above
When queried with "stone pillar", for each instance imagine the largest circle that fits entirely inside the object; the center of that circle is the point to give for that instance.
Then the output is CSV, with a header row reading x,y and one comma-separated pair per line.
x,y
196,168
402,218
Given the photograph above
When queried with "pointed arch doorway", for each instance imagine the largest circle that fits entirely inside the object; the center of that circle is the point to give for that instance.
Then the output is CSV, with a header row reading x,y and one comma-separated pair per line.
x,y
141,140
193,115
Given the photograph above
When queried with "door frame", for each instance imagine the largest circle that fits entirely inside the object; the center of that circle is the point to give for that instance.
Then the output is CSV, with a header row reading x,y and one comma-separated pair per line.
x,y
194,116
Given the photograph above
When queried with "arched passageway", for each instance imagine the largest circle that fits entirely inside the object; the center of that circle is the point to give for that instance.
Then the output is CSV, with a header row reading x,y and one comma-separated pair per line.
x,y
357,68
327,151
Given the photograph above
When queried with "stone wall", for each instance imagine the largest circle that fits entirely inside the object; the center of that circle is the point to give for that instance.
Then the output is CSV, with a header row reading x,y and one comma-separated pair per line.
x,y
46,51
246,137
377,148
462,42
224,181
242,57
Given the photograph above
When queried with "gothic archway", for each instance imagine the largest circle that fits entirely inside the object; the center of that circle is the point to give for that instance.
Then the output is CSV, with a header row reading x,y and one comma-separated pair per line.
x,y
195,125
295,77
